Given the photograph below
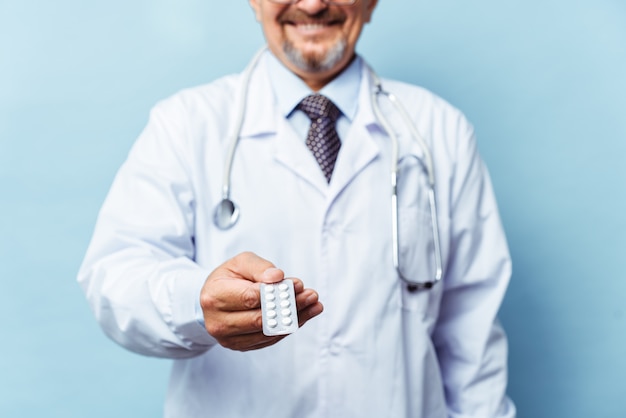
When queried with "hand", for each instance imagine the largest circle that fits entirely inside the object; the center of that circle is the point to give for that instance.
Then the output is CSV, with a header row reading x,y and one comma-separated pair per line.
x,y
230,300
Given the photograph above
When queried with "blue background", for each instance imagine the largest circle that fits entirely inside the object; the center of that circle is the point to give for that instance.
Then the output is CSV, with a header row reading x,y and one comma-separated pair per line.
x,y
544,82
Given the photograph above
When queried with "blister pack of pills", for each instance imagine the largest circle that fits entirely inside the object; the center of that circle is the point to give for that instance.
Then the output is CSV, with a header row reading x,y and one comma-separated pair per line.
x,y
278,307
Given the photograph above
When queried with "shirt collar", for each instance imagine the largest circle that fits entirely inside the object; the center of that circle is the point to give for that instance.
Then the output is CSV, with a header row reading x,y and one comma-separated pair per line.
x,y
289,89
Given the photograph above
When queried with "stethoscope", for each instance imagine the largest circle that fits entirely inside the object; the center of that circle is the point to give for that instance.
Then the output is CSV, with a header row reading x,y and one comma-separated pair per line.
x,y
226,212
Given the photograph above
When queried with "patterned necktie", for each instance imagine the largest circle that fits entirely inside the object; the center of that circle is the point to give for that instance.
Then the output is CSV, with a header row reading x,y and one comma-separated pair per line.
x,y
322,138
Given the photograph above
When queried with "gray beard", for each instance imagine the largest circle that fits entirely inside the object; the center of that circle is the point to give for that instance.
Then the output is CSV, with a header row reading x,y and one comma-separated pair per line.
x,y
315,64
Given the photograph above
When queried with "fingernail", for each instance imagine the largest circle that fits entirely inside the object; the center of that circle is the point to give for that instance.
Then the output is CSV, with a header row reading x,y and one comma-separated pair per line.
x,y
311,299
272,274
316,309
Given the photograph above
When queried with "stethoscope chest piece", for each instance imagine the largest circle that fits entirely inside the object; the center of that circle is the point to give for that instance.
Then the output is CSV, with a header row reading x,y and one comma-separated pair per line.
x,y
226,214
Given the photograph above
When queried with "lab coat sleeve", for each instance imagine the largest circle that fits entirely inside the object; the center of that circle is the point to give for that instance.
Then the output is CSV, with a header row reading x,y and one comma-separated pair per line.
x,y
138,274
470,343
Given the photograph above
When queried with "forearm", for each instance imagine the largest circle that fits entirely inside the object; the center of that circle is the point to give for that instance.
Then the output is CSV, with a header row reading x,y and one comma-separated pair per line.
x,y
146,302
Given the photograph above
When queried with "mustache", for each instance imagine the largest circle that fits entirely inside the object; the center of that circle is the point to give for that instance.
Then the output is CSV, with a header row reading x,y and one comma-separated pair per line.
x,y
324,16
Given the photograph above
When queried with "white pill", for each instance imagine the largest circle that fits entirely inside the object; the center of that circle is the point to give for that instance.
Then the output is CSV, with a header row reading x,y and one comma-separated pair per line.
x,y
285,303
271,314
270,296
286,312
287,321
270,305
284,295
283,286
272,323
269,288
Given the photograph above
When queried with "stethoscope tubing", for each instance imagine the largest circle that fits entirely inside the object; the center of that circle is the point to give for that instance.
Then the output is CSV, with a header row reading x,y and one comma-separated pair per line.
x,y
428,160
227,212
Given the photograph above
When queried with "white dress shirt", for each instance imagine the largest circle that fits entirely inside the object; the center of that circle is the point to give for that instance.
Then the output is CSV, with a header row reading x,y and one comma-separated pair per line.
x,y
377,350
289,90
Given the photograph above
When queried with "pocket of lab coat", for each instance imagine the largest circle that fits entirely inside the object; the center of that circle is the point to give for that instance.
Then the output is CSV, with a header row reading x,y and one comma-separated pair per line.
x,y
417,247
416,256
415,232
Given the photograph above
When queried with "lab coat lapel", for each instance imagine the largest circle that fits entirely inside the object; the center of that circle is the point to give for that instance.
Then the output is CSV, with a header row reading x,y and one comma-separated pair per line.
x,y
292,152
262,119
359,148
357,151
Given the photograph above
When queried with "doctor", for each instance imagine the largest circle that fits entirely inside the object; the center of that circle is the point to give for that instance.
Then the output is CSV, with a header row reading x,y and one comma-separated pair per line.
x,y
163,280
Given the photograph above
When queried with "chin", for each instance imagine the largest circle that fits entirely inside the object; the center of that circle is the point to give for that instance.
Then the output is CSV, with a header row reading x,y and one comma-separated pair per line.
x,y
316,62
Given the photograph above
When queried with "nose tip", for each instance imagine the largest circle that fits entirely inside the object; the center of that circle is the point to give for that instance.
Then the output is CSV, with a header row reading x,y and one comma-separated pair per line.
x,y
312,6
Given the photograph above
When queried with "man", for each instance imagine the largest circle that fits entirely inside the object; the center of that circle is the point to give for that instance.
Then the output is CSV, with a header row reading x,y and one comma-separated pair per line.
x,y
164,280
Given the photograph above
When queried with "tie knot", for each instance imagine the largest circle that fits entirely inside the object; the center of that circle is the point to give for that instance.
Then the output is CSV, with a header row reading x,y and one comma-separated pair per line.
x,y
318,106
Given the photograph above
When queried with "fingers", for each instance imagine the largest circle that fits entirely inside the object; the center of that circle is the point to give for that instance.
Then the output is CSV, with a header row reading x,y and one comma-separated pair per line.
x,y
241,331
237,336
229,287
308,305
230,301
250,342
235,311
224,325
230,295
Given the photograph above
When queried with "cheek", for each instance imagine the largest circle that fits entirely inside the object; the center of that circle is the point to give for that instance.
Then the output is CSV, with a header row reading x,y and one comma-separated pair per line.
x,y
272,30
353,32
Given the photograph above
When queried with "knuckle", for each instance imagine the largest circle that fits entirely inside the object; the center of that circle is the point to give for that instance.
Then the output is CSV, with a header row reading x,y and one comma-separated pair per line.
x,y
206,300
250,298
217,329
242,258
258,321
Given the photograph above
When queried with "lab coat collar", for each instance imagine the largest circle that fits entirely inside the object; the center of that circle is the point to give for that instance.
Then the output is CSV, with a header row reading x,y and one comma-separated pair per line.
x,y
262,118
259,115
261,104
359,148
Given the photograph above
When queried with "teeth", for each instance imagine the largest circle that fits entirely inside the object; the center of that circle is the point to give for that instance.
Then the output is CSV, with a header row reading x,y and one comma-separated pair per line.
x,y
311,26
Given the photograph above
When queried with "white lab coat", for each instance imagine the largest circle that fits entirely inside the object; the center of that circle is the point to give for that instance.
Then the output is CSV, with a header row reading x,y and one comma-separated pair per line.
x,y
377,350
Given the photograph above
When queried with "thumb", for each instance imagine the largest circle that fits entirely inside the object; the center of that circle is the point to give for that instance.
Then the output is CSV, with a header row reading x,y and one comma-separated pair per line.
x,y
251,267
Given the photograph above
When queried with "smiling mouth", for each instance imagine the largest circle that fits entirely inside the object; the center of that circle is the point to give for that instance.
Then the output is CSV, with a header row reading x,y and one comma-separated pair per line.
x,y
305,26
